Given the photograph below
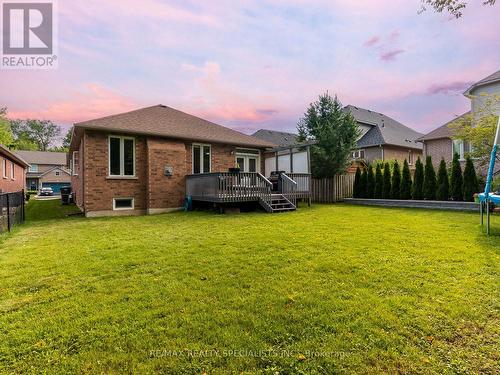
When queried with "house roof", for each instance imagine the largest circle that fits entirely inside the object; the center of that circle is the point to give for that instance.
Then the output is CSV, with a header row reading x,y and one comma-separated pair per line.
x,y
492,78
282,139
442,132
43,157
164,121
385,129
12,156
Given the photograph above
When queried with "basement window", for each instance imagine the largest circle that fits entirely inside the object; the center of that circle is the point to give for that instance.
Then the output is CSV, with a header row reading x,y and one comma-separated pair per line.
x,y
123,204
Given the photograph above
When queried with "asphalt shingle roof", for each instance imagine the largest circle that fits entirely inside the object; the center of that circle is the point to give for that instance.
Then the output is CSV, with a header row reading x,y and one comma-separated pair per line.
x,y
490,79
281,139
442,132
164,121
43,157
385,130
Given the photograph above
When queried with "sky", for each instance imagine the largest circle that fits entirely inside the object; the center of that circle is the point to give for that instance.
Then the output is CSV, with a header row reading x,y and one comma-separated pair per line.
x,y
258,64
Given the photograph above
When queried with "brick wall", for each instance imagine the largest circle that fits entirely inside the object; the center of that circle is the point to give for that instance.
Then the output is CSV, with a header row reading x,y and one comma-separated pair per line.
x,y
11,183
438,149
99,190
151,189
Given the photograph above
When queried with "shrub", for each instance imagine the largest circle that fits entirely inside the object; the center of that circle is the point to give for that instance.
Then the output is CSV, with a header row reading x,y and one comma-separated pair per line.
x,y
429,180
396,181
417,190
377,194
471,185
406,182
443,184
456,181
362,184
357,184
370,183
386,182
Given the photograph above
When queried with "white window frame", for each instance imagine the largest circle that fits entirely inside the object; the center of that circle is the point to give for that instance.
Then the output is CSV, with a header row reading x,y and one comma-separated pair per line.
x,y
461,145
33,168
356,154
201,145
12,171
74,166
247,155
123,208
410,157
4,167
122,157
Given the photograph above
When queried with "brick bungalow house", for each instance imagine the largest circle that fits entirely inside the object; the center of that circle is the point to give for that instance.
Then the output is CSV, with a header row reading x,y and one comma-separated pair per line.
x,y
137,162
47,169
439,143
12,171
383,138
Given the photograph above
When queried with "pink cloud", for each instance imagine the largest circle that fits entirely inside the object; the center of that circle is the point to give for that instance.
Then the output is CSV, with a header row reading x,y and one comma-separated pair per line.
x,y
447,88
372,41
92,102
394,35
391,55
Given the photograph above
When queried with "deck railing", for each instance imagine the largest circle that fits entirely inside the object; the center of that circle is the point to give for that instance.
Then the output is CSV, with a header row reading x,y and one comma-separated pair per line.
x,y
303,181
228,187
288,187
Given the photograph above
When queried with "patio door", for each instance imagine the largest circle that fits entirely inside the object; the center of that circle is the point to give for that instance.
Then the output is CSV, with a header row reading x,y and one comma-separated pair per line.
x,y
248,162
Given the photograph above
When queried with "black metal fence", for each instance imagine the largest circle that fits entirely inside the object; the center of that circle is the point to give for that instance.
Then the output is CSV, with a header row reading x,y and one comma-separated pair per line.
x,y
11,210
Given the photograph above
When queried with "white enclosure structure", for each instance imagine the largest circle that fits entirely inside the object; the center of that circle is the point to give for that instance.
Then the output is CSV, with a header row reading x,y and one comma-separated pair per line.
x,y
289,159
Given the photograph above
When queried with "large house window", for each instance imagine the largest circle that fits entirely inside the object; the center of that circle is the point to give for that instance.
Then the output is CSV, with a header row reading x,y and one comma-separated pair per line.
x,y
462,148
248,160
4,168
12,168
201,158
121,156
33,168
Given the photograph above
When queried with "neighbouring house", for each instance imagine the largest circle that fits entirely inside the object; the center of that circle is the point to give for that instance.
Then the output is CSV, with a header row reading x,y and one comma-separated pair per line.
x,y
149,160
12,171
383,138
46,169
439,143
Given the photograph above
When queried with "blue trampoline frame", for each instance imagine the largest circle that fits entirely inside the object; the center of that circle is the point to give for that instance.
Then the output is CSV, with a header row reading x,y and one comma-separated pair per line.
x,y
487,198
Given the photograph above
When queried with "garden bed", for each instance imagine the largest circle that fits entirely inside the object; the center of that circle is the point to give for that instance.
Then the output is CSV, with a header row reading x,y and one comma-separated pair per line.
x,y
434,205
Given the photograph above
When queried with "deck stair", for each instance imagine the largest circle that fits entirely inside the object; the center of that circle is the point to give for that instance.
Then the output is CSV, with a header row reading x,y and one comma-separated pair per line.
x,y
278,203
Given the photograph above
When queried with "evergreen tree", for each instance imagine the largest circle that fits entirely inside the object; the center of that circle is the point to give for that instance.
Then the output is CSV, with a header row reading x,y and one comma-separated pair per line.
x,y
443,184
396,181
471,185
334,131
362,185
456,180
370,183
386,182
406,182
377,193
429,180
356,192
417,190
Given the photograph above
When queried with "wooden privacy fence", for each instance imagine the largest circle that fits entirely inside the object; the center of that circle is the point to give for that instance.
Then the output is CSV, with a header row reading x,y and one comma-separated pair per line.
x,y
333,189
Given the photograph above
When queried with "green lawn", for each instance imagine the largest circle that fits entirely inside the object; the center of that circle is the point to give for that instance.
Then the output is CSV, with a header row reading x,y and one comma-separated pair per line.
x,y
327,289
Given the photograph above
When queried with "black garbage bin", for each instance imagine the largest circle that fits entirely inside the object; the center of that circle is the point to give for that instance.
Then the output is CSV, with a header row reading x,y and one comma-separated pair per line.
x,y
65,192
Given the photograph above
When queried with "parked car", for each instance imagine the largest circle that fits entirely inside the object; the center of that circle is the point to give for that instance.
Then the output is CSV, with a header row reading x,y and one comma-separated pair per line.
x,y
46,191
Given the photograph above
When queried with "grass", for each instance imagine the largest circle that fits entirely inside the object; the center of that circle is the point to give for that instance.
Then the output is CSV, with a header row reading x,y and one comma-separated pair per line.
x,y
330,289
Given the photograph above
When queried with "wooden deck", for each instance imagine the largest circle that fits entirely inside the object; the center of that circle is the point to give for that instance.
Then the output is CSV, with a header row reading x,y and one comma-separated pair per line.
x,y
225,187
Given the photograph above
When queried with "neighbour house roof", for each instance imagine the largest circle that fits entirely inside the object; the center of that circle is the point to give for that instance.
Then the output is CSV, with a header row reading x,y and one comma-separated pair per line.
x,y
43,157
282,139
164,121
385,130
12,156
442,132
492,78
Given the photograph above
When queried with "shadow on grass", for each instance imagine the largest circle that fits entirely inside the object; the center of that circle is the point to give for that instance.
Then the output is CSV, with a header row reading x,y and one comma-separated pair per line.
x,y
41,210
